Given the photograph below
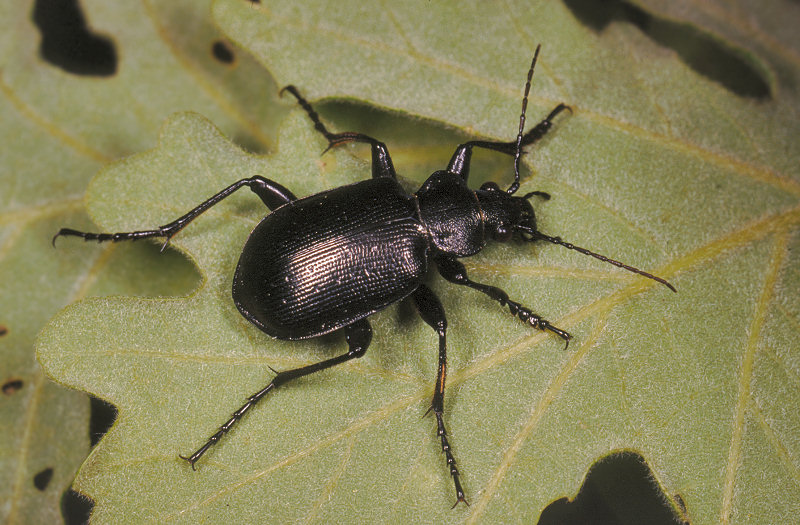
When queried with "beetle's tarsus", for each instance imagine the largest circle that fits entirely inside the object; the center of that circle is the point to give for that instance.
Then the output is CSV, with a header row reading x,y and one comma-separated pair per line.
x,y
461,499
189,460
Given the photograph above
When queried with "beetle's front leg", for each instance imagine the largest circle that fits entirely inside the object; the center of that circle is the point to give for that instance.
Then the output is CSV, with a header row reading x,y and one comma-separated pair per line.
x,y
452,270
432,312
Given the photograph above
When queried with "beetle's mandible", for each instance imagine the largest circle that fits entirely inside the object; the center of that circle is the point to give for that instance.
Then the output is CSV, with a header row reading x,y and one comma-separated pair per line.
x,y
328,261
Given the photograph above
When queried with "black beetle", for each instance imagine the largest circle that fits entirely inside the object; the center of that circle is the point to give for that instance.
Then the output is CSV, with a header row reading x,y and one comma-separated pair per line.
x,y
329,261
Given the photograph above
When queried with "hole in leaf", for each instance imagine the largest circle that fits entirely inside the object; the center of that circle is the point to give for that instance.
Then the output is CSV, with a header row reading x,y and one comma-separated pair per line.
x,y
223,52
67,42
707,55
619,489
102,416
75,507
42,479
12,386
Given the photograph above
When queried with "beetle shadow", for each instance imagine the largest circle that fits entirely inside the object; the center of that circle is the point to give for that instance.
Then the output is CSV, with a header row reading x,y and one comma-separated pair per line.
x,y
406,315
712,57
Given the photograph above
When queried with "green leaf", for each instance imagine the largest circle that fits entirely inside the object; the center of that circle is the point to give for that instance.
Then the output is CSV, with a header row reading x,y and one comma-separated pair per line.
x,y
58,128
660,165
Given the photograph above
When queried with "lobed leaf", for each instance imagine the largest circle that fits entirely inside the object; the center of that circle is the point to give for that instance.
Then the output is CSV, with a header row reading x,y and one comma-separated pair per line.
x,y
659,165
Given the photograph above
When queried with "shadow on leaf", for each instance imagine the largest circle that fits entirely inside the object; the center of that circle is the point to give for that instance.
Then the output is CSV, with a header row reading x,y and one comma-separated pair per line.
x,y
706,54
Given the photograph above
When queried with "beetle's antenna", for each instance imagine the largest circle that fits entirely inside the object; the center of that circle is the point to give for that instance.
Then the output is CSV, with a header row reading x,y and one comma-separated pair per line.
x,y
535,235
518,151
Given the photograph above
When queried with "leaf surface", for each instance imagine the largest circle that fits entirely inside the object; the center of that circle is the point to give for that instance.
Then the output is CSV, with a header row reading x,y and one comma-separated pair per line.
x,y
660,165
58,128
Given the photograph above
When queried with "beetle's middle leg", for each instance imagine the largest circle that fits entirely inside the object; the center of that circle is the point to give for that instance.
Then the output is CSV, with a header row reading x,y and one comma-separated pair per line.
x,y
358,336
382,165
452,270
432,312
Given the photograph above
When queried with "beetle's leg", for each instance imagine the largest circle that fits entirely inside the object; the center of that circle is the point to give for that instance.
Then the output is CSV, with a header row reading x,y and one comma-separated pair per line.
x,y
432,312
358,336
270,192
452,270
459,163
382,165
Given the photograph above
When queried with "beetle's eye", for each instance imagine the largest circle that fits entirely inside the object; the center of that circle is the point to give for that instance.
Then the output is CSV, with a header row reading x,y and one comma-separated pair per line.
x,y
502,234
490,186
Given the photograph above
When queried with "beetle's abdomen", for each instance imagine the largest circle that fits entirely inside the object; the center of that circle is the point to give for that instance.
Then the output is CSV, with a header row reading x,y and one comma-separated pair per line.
x,y
323,262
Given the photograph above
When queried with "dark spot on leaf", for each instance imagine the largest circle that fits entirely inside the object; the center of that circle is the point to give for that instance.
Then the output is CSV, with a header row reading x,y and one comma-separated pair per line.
x,y
680,502
67,43
75,507
223,52
102,417
12,386
3,330
618,489
682,506
706,54
42,479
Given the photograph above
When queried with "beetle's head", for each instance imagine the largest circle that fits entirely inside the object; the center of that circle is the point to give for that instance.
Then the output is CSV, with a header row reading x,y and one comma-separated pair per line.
x,y
504,214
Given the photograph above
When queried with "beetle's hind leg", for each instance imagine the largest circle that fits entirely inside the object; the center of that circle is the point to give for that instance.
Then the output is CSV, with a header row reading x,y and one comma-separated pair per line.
x,y
270,192
358,336
432,312
382,165
452,270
